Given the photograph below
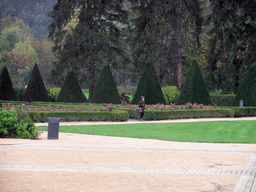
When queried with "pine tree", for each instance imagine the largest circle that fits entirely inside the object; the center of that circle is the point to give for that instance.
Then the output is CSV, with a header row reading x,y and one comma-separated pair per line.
x,y
71,90
149,87
96,28
194,89
6,89
36,90
247,89
105,90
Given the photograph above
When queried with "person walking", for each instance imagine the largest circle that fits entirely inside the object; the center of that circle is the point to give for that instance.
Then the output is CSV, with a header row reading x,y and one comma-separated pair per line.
x,y
141,107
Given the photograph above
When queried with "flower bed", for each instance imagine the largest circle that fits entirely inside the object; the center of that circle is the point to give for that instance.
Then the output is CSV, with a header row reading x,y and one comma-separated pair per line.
x,y
39,111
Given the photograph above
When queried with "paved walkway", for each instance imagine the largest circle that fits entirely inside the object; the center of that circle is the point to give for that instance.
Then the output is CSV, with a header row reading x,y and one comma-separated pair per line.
x,y
77,162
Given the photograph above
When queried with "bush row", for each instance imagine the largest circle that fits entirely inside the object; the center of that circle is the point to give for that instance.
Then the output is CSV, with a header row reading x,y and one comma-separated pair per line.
x,y
115,115
125,114
180,114
223,100
244,111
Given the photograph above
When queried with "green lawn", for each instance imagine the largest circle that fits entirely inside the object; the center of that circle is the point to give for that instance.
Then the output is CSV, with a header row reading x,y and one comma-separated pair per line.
x,y
210,132
86,93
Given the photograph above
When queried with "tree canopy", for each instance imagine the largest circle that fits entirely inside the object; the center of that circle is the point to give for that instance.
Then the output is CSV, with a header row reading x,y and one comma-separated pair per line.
x,y
19,50
92,40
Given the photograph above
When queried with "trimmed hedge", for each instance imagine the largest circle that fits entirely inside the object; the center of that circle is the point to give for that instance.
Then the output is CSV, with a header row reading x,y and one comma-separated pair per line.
x,y
149,87
247,89
71,90
36,90
244,111
6,89
223,100
115,115
106,90
180,114
194,89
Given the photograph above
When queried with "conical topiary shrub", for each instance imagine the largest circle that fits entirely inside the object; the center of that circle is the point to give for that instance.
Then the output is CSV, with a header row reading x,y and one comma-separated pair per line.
x,y
36,90
6,89
105,90
247,89
149,87
71,90
194,89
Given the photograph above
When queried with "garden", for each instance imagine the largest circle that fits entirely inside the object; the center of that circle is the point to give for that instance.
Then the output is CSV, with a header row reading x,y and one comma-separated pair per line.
x,y
70,103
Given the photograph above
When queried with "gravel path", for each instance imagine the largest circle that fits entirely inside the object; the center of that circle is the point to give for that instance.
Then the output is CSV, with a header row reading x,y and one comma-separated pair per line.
x,y
77,162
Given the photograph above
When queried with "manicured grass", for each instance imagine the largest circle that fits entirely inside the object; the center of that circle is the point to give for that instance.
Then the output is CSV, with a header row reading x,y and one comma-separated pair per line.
x,y
86,93
210,132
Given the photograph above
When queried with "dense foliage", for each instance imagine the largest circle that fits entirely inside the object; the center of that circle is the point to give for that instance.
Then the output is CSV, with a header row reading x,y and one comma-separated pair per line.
x,y
247,89
194,89
170,94
36,90
86,35
71,90
6,89
106,90
89,34
19,51
149,87
223,100
13,124
53,93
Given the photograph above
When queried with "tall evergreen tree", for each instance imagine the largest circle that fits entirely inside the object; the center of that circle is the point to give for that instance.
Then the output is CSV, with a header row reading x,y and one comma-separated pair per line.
x,y
159,30
149,87
71,90
36,90
92,41
194,89
232,43
247,89
106,91
6,89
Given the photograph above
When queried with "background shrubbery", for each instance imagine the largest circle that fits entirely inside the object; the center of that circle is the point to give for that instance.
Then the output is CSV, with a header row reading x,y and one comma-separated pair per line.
x,y
223,100
53,93
247,89
16,124
170,94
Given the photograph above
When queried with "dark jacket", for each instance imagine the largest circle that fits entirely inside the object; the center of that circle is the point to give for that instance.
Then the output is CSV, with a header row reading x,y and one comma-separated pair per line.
x,y
142,105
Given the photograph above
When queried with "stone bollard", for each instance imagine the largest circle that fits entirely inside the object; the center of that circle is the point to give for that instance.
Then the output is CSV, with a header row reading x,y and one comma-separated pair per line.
x,y
53,127
241,103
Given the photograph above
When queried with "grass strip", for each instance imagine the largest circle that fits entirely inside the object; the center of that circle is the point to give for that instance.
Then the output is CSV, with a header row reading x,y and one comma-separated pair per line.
x,y
209,132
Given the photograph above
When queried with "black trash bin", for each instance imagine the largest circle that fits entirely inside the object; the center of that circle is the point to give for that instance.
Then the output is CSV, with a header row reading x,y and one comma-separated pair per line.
x,y
53,127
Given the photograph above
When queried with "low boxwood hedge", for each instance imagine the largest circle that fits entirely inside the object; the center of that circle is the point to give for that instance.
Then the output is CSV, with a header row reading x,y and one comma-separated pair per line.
x,y
223,100
179,114
244,111
115,115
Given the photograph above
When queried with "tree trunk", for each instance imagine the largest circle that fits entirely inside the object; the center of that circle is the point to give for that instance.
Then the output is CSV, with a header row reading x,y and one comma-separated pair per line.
x,y
91,80
237,66
177,51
